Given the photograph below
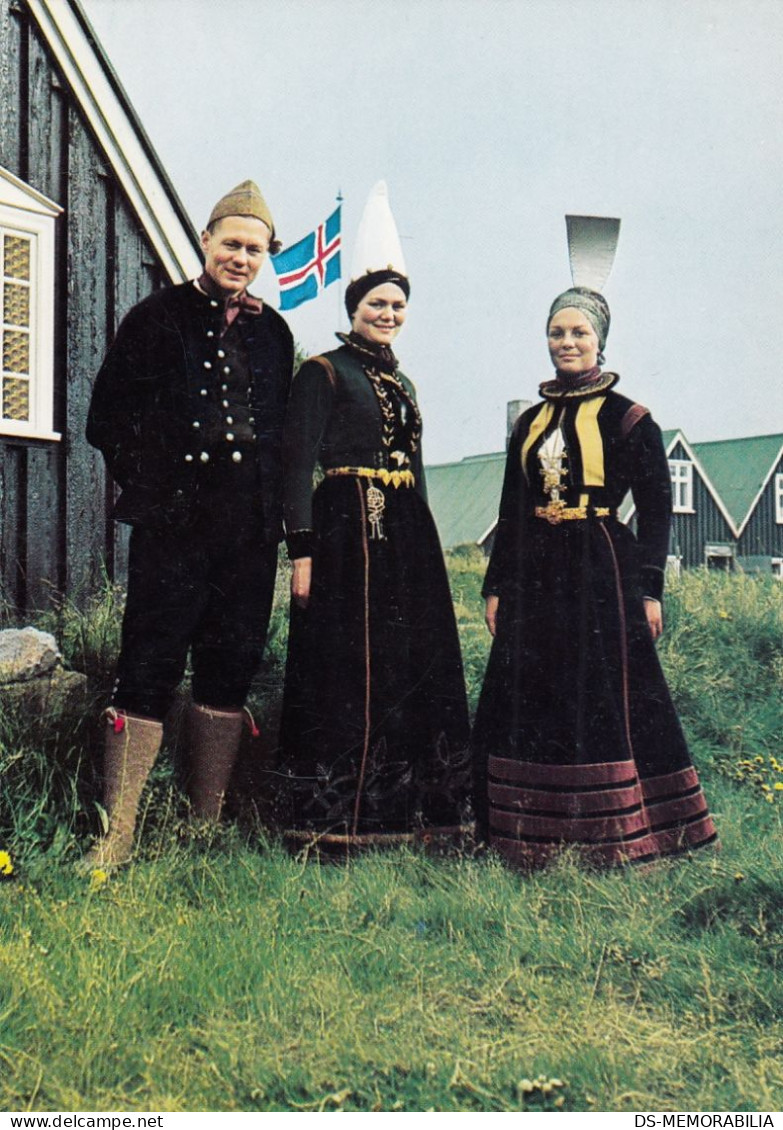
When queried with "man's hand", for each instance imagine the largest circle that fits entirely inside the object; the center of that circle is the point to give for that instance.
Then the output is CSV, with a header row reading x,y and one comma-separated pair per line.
x,y
300,581
491,613
654,615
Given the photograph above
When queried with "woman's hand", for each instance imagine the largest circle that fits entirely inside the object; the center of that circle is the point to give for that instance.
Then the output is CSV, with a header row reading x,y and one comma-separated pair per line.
x,y
300,580
654,615
491,613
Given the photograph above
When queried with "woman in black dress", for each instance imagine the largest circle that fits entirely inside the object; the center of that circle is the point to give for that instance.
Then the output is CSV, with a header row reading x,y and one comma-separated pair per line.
x,y
375,724
576,738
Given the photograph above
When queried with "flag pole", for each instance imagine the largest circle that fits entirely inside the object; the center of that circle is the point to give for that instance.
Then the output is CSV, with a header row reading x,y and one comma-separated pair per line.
x,y
340,199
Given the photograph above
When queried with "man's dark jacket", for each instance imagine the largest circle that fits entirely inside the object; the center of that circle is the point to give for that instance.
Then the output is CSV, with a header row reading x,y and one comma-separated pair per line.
x,y
149,401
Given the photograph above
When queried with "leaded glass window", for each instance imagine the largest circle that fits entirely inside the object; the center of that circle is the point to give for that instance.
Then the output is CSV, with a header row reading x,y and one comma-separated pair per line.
x,y
16,304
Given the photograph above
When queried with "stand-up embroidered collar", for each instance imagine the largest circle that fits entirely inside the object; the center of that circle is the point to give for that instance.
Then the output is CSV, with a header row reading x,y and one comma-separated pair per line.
x,y
589,385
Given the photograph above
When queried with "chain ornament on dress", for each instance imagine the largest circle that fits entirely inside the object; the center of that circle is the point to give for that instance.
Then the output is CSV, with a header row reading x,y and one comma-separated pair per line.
x,y
376,504
408,422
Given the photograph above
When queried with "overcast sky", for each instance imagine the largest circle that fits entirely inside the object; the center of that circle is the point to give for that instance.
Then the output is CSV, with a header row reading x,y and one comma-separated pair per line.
x,y
490,120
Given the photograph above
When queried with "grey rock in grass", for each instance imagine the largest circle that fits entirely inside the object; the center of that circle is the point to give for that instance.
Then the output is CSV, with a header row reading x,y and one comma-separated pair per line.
x,y
25,654
46,697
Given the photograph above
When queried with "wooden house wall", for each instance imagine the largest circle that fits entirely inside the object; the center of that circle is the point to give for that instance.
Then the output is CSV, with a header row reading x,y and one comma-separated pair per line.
x,y
691,532
54,533
763,535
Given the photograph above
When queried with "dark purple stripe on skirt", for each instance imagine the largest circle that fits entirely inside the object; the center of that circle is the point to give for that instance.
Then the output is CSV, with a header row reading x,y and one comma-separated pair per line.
x,y
568,803
686,836
676,811
568,829
670,783
536,773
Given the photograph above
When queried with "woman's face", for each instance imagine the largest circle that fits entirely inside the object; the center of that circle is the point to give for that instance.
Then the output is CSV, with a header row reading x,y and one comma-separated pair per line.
x,y
380,314
573,343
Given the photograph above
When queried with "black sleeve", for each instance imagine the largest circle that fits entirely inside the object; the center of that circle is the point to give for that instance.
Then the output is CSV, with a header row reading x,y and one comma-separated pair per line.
x,y
309,407
119,396
652,494
502,558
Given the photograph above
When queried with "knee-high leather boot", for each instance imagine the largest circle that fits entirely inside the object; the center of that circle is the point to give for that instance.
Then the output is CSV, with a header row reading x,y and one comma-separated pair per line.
x,y
214,737
131,746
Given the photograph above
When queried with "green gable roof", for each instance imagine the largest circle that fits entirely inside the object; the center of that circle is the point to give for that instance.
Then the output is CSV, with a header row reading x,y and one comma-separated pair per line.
x,y
738,469
464,497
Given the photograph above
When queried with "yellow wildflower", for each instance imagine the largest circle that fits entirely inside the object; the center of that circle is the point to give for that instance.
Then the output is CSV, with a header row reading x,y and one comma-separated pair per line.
x,y
97,878
6,864
723,614
778,786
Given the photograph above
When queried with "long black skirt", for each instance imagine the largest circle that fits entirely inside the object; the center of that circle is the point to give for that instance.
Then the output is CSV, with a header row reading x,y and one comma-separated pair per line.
x,y
374,731
576,739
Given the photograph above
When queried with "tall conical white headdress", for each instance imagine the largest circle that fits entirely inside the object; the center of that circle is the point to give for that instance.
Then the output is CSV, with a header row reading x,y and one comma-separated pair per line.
x,y
592,245
377,245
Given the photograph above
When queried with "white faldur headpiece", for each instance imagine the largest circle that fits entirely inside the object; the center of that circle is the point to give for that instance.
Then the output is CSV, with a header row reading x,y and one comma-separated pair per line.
x,y
377,246
592,245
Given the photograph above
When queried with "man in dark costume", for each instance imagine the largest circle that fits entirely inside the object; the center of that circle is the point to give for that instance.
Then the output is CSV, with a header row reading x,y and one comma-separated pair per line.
x,y
188,411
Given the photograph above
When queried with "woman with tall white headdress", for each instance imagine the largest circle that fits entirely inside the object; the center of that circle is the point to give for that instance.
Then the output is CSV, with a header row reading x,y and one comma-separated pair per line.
x,y
375,725
576,738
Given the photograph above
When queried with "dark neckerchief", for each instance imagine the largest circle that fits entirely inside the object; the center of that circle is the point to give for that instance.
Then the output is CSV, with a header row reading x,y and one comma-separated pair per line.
x,y
567,387
369,353
235,304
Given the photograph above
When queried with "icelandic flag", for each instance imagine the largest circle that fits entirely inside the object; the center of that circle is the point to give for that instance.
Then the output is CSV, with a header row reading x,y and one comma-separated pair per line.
x,y
310,265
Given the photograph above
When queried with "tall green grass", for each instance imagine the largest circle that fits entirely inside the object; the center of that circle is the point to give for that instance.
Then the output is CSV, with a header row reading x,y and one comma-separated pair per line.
x,y
229,976
219,973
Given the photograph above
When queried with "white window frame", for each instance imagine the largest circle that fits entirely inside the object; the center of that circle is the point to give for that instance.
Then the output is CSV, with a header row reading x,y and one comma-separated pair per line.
x,y
681,473
26,213
779,498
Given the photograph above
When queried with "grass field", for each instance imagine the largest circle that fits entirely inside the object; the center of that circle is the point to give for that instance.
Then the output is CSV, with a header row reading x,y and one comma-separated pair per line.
x,y
219,973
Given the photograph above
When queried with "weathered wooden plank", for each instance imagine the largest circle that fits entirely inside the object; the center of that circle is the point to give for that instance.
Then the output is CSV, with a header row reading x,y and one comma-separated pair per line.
x,y
85,533
43,506
44,123
12,531
131,284
10,109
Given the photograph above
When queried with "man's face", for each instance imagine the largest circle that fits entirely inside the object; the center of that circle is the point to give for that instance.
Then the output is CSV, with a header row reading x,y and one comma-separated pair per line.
x,y
234,251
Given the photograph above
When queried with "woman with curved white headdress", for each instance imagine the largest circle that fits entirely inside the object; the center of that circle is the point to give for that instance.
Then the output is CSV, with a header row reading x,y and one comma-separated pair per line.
x,y
375,727
576,740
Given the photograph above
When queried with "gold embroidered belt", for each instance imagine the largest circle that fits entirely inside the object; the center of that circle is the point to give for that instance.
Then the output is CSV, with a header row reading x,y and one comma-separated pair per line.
x,y
557,512
393,478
